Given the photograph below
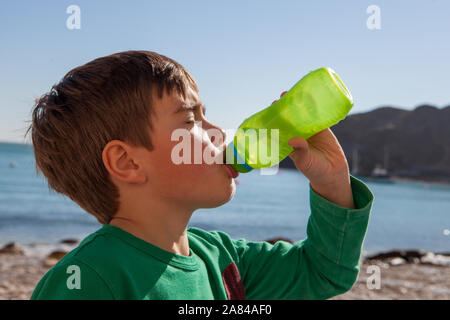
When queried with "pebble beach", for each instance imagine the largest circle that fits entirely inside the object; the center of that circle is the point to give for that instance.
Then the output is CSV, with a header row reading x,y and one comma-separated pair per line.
x,y
417,275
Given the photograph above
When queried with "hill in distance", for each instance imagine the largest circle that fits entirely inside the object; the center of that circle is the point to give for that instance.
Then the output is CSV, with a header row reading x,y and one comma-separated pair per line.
x,y
412,144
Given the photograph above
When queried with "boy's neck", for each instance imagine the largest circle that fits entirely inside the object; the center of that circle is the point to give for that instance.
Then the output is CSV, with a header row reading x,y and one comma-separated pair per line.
x,y
166,229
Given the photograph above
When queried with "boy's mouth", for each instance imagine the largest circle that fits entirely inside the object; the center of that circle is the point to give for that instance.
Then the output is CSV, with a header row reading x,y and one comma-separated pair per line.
x,y
233,173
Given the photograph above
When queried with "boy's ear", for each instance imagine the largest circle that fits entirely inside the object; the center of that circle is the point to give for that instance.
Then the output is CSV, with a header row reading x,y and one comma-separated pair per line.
x,y
118,158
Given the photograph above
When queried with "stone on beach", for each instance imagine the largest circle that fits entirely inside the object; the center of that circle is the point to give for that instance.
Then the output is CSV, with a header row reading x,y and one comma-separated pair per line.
x,y
54,257
397,261
69,241
435,259
398,253
410,256
273,240
12,248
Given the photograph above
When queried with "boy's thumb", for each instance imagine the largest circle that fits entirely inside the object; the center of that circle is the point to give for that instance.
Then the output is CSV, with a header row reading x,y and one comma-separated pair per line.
x,y
300,145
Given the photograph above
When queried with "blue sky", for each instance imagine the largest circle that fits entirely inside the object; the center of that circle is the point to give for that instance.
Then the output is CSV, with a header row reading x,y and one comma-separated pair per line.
x,y
243,54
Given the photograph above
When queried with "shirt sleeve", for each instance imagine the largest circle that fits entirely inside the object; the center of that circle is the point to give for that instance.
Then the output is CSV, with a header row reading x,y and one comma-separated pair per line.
x,y
72,281
323,265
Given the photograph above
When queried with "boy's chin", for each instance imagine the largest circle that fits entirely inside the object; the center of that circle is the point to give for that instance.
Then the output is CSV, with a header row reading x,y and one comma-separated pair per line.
x,y
221,198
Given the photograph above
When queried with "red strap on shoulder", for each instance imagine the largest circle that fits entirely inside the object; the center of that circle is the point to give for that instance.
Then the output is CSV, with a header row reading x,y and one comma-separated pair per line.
x,y
232,282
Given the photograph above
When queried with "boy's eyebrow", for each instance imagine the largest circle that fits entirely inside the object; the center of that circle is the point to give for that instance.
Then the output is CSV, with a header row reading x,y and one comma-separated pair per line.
x,y
186,108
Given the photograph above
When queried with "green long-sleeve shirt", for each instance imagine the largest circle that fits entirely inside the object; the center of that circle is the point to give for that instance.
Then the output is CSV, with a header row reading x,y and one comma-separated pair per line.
x,y
113,264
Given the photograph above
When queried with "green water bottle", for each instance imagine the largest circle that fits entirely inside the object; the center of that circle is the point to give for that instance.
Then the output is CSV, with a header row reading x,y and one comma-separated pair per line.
x,y
317,101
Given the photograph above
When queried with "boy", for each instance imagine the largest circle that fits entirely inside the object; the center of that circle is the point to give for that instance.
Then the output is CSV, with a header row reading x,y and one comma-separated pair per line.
x,y
102,136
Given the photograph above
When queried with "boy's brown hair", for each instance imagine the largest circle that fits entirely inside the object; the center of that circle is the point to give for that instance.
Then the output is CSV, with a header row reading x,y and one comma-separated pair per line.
x,y
106,99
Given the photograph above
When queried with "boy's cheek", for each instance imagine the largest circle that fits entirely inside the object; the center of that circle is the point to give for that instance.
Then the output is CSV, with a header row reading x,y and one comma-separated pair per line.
x,y
170,163
196,150
193,181
176,165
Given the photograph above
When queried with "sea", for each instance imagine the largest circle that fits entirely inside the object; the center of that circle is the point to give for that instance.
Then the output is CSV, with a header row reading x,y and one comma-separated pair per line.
x,y
405,215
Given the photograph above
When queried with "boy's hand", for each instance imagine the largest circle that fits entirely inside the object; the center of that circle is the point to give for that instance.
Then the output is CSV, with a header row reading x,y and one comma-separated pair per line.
x,y
322,160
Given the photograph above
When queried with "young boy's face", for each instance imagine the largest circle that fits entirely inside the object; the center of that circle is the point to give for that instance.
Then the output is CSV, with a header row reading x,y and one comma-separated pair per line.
x,y
188,184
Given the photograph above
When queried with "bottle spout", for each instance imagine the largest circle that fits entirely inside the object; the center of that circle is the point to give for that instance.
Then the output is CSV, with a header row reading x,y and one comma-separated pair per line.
x,y
234,159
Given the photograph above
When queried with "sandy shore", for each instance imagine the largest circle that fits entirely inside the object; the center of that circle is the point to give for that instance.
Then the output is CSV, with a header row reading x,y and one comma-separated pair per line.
x,y
401,282
22,267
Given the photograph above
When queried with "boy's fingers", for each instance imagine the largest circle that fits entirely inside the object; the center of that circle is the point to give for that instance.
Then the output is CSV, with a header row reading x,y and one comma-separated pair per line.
x,y
282,94
301,153
298,143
